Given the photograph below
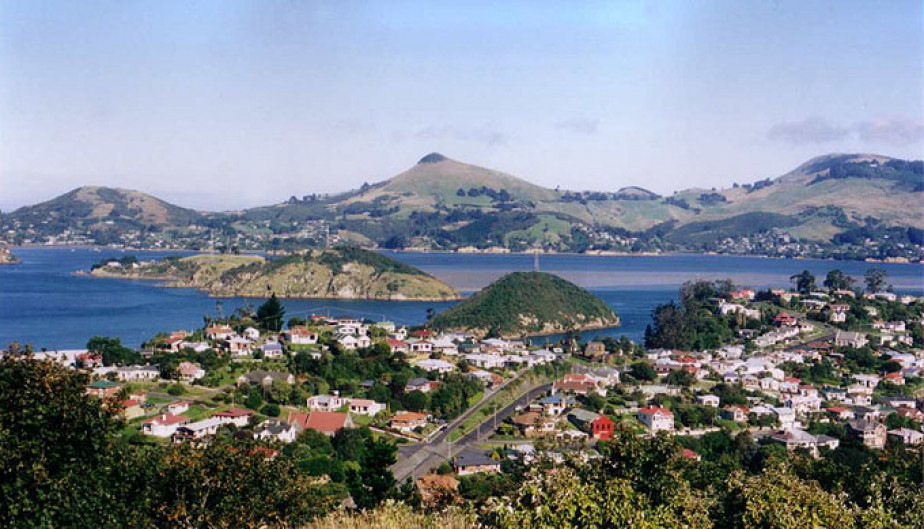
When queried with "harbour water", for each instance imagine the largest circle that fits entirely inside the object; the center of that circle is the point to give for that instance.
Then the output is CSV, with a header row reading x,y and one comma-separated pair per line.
x,y
43,303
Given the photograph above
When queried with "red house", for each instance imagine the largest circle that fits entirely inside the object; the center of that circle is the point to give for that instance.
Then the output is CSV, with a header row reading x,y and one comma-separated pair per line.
x,y
602,428
784,318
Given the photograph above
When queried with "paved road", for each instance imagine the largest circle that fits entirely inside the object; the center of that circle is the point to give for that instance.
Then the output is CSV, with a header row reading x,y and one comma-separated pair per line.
x,y
416,460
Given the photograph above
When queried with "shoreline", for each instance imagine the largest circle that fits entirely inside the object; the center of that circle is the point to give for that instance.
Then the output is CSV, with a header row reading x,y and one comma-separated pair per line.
x,y
601,253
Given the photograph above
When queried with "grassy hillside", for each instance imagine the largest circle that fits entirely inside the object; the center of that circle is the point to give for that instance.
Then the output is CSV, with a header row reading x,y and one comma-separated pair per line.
x,y
527,303
94,204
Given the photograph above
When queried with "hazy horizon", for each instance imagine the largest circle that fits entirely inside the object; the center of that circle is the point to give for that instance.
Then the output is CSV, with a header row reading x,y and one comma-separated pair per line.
x,y
223,105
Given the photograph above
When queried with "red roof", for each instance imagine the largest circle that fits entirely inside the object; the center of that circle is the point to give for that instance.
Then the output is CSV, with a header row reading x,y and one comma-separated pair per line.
x,y
689,454
167,419
409,416
299,419
128,403
234,412
327,421
654,410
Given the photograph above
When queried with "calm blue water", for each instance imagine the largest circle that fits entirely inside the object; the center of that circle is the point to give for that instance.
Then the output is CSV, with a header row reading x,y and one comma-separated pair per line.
x,y
43,303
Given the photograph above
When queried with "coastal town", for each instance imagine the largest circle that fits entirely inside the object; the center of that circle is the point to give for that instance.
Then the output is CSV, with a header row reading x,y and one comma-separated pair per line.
x,y
810,369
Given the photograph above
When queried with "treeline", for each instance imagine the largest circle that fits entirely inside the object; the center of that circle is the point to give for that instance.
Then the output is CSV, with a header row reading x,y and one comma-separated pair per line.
x,y
691,322
63,463
908,175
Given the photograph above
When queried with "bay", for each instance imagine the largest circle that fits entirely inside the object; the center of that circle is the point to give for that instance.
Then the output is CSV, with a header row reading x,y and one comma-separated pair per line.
x,y
43,303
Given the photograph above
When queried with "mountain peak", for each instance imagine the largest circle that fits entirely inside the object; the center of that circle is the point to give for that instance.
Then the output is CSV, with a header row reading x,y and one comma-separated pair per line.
x,y
433,157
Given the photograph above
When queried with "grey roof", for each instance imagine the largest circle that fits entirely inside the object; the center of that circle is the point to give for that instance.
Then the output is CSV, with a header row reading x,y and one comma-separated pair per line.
x,y
472,458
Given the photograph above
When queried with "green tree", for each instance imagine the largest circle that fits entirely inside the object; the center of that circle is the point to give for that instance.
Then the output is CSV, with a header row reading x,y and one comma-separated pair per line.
x,y
804,281
271,313
680,377
642,371
875,279
60,464
838,280
254,400
112,351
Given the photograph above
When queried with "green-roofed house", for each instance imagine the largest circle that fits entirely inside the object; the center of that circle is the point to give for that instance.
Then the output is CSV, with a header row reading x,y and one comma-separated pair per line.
x,y
104,389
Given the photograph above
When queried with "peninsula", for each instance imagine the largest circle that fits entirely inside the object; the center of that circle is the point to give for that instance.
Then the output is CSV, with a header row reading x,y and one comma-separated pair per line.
x,y
341,273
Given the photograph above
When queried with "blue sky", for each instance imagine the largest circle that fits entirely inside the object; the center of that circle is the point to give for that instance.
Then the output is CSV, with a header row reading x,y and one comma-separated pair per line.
x,y
226,104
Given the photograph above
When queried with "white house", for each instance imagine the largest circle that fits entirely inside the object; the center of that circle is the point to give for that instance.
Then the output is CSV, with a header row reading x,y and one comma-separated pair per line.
x,y
301,336
189,372
163,425
275,430
786,417
326,402
137,373
850,339
251,334
196,431
708,400
366,407
351,342
440,366
656,419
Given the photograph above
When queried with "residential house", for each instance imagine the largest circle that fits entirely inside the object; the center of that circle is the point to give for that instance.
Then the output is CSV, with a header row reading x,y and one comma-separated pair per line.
x,y
238,346
236,416
735,413
301,336
907,436
597,425
800,439
329,422
137,373
555,405
276,430
326,402
656,419
867,381
408,421
367,407
432,364
265,378
872,434
534,424
272,350
351,342
786,417
708,400
251,334
189,372
595,350
474,462
131,409
197,431
103,389
422,385
855,340
219,332
163,425
396,345
178,407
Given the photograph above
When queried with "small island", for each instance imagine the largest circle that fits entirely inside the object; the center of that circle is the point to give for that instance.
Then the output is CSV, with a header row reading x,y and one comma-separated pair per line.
x,y
527,303
342,273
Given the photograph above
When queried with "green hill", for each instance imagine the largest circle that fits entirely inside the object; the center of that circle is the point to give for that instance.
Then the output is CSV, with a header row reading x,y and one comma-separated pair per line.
x,y
522,303
92,204
342,273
